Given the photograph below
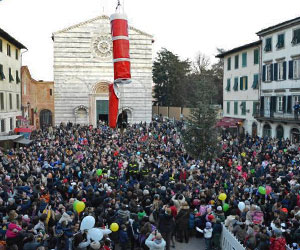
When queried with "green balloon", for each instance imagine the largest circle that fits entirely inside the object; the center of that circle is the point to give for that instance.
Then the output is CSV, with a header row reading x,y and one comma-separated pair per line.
x,y
285,150
262,190
99,172
225,207
252,171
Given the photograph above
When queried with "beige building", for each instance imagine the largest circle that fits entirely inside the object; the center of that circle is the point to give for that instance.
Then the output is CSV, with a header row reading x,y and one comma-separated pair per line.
x,y
10,82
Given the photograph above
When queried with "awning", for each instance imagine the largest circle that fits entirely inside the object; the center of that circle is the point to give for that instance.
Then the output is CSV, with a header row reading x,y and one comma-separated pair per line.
x,y
23,130
229,122
23,141
21,118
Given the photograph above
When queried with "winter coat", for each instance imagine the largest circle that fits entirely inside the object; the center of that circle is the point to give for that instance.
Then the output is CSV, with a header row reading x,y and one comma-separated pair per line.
x,y
192,221
123,237
278,243
10,231
182,219
155,245
166,222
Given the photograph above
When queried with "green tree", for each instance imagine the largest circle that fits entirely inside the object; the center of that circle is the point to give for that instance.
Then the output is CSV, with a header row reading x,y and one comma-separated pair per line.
x,y
170,75
200,135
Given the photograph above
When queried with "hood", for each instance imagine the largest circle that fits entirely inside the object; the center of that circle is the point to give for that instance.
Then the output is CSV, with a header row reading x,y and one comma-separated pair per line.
x,y
158,244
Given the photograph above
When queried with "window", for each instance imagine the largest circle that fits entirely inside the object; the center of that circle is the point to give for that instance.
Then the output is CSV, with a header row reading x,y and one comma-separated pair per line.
x,y
244,83
18,101
8,49
17,77
227,87
280,41
11,123
296,69
268,46
3,125
255,81
269,72
244,59
17,54
296,37
229,63
11,78
279,103
235,108
236,84
51,92
1,48
228,108
280,70
243,107
236,62
256,56
2,76
10,101
255,108
1,101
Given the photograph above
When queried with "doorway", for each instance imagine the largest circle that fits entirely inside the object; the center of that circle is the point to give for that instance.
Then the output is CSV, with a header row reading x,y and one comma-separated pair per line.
x,y
254,129
102,111
45,118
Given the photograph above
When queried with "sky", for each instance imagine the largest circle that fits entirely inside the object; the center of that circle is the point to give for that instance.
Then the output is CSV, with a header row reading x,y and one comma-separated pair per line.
x,y
183,27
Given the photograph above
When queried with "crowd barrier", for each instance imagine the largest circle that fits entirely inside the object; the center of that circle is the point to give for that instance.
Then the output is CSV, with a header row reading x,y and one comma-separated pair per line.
x,y
230,242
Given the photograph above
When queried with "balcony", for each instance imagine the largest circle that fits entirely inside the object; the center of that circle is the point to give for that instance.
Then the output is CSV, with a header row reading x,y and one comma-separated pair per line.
x,y
281,117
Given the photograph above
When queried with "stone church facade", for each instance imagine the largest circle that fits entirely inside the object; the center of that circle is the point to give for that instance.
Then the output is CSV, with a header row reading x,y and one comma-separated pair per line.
x,y
83,69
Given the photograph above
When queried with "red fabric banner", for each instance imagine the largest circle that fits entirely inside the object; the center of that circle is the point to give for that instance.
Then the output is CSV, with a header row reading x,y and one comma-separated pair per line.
x,y
113,107
122,70
121,48
119,27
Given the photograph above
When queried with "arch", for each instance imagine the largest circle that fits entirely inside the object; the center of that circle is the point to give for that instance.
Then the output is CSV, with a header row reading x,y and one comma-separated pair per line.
x,y
45,118
79,110
128,111
267,130
101,88
254,129
295,135
279,132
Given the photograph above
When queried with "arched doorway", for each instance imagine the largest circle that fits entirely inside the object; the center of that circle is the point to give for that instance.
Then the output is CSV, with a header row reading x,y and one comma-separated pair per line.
x,y
254,129
123,119
279,132
295,135
45,118
267,130
81,115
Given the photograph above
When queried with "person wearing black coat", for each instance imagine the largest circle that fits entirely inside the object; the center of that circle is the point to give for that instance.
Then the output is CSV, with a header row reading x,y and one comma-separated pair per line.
x,y
166,225
182,223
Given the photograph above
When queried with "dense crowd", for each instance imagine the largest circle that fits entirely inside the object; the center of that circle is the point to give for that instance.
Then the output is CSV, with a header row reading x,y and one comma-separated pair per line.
x,y
143,179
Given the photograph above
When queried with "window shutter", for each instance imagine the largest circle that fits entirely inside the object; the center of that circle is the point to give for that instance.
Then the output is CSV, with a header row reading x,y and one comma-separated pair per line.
x,y
262,105
246,82
291,72
273,104
272,65
284,104
241,83
275,71
289,104
284,71
264,73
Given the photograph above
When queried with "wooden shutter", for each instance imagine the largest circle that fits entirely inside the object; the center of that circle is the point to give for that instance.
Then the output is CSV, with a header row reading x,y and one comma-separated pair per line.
x,y
284,71
241,83
291,69
289,104
246,79
264,73
284,104
272,65
273,104
275,71
262,105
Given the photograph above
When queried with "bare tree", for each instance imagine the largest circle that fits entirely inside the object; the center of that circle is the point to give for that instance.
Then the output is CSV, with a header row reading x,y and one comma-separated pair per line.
x,y
201,63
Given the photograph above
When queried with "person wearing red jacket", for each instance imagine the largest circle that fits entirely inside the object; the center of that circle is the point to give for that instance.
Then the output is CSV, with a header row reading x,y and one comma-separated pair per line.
x,y
278,242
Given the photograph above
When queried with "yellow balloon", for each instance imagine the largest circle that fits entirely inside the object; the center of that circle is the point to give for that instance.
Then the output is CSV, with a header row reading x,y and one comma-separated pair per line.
x,y
222,197
80,206
114,227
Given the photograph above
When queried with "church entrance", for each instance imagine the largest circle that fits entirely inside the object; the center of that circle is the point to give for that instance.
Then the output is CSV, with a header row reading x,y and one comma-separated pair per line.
x,y
102,110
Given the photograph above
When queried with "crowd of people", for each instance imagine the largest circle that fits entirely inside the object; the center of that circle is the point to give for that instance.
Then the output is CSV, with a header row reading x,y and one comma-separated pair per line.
x,y
143,179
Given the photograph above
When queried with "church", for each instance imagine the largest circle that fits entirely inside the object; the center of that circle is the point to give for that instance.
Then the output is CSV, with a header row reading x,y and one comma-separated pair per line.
x,y
83,69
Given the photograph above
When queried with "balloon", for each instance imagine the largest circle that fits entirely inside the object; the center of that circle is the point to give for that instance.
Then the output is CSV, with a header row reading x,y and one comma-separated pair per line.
x,y
241,206
222,197
106,231
268,190
114,227
95,234
284,210
243,154
252,171
99,172
285,150
80,206
262,190
74,204
87,223
225,207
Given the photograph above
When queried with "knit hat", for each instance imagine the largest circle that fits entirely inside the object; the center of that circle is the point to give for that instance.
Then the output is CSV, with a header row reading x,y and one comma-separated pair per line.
x,y
208,225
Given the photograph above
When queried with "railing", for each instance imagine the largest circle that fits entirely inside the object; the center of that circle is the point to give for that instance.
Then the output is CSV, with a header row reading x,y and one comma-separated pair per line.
x,y
277,116
230,242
